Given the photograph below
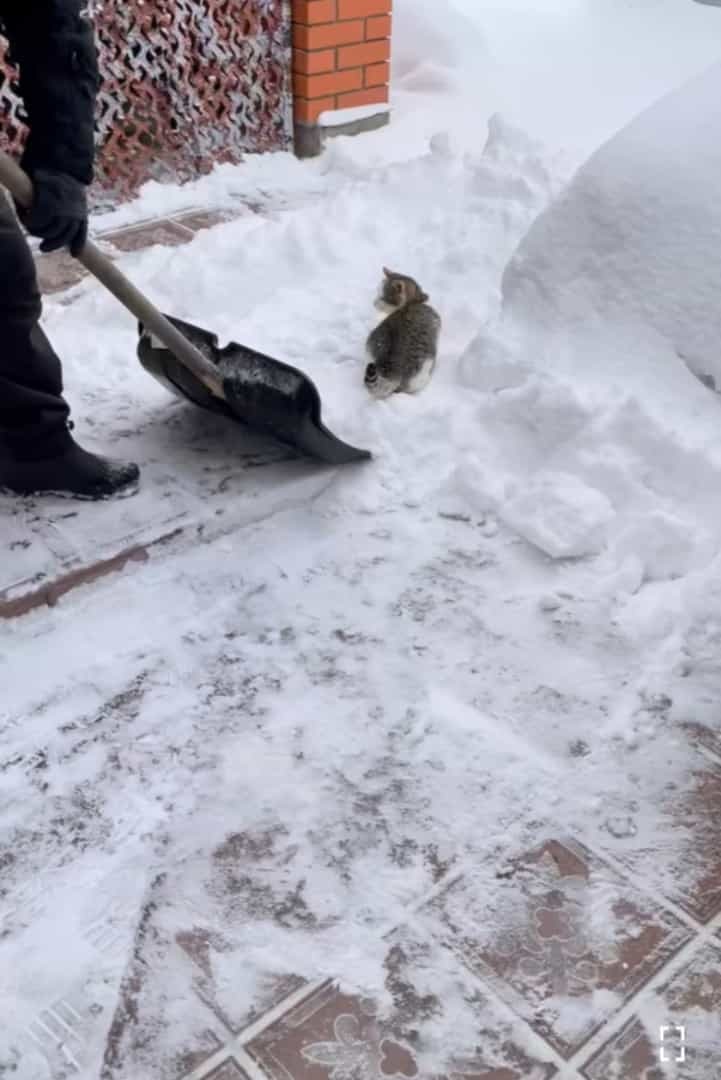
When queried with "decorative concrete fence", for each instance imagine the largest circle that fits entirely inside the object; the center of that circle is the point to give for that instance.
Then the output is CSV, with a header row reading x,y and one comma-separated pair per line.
x,y
189,83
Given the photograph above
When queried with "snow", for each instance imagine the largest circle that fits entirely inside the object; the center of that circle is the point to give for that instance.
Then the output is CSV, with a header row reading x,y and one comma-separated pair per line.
x,y
474,642
559,514
265,184
600,62
338,117
608,313
635,238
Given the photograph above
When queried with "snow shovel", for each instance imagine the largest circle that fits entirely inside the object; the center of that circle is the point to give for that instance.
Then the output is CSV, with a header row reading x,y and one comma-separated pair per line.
x,y
264,394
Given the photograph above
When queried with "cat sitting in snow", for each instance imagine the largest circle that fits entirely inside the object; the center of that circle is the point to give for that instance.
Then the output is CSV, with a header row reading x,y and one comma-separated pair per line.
x,y
403,347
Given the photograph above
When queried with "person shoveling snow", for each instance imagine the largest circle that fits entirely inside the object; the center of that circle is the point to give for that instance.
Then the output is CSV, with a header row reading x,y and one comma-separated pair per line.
x,y
238,382
59,80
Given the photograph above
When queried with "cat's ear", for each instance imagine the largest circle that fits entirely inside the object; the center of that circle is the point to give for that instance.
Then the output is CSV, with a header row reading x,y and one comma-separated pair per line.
x,y
422,296
389,273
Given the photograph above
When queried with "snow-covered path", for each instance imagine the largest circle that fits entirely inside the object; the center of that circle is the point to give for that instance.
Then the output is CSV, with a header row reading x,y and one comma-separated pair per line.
x,y
249,762
377,702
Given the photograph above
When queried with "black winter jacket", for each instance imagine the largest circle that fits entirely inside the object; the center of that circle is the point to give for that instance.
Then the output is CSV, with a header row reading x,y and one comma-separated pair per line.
x,y
55,50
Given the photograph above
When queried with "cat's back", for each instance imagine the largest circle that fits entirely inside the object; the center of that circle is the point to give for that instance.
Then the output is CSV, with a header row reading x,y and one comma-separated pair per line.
x,y
403,347
415,349
415,320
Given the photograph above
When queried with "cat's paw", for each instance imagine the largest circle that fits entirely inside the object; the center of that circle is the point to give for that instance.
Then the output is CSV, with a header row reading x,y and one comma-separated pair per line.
x,y
377,385
371,375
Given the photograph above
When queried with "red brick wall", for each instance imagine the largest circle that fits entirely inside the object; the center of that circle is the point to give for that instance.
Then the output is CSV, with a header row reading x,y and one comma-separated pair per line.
x,y
341,55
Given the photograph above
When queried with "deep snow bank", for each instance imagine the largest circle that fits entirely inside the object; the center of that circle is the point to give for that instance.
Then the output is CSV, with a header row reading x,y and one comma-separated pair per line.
x,y
596,438
637,236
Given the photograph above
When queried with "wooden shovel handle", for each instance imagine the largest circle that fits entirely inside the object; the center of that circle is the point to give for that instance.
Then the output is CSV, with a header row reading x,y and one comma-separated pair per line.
x,y
104,269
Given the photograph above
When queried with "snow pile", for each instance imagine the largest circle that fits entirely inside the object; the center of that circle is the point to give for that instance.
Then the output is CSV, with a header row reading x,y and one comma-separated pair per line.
x,y
265,184
596,436
637,236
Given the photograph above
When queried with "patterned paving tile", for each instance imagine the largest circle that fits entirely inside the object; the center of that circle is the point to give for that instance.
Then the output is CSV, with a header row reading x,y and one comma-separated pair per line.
x,y
162,231
519,1067
190,1059
477,1071
53,547
562,937
475,1037
689,1009
229,1070
332,1036
192,465
183,931
58,271
686,861
705,736
329,1033
140,1020
204,948
203,219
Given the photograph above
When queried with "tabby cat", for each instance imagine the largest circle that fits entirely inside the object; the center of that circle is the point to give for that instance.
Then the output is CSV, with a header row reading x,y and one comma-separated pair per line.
x,y
403,347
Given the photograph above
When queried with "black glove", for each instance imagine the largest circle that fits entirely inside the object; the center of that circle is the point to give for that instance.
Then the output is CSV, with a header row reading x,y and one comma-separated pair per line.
x,y
59,213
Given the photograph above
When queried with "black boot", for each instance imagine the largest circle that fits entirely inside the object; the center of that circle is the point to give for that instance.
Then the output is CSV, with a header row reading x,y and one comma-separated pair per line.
x,y
72,472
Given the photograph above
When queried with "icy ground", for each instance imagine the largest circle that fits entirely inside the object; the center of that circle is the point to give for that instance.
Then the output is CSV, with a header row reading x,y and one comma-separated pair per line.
x,y
488,635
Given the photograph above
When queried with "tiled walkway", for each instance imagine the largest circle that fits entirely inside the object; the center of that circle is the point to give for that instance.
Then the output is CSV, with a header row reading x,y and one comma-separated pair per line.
x,y
574,963
50,547
570,967
59,270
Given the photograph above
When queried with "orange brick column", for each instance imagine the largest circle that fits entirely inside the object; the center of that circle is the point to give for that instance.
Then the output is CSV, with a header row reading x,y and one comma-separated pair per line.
x,y
341,61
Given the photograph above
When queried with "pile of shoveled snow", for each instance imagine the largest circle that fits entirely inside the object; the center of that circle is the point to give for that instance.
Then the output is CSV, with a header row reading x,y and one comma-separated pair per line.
x,y
595,438
636,238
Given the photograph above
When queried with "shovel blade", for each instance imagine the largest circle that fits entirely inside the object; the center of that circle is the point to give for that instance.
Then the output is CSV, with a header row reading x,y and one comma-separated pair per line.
x,y
260,392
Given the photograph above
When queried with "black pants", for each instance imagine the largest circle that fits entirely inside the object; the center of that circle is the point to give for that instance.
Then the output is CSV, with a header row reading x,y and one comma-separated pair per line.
x,y
33,412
